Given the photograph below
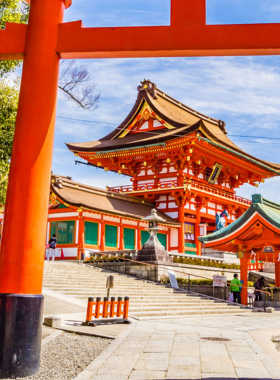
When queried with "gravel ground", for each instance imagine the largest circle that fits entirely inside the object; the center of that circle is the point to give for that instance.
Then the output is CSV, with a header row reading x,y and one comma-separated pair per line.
x,y
67,355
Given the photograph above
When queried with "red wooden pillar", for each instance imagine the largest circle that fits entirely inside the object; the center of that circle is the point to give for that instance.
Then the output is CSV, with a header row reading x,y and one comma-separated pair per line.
x,y
138,241
197,242
26,210
81,236
121,242
191,12
244,277
181,231
277,274
102,236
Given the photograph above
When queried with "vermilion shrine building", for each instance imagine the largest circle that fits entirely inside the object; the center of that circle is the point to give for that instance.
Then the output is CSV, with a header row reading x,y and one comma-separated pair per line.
x,y
255,235
179,160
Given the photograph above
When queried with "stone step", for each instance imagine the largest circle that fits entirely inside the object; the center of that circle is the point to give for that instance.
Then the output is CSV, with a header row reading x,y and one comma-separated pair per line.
x,y
146,299
100,283
187,312
152,302
112,293
155,290
196,315
84,279
174,308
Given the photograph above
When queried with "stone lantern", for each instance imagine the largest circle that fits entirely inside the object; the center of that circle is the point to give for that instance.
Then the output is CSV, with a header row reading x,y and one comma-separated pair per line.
x,y
153,242
153,250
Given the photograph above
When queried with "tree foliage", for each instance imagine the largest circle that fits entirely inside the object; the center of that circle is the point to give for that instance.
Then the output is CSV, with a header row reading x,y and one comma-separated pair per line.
x,y
75,82
11,11
8,112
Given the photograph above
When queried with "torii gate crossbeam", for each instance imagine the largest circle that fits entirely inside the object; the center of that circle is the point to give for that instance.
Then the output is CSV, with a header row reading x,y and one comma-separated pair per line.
x,y
41,44
187,36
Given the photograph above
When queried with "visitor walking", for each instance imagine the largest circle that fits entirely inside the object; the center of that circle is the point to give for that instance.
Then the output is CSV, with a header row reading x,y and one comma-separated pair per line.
x,y
235,288
52,245
258,287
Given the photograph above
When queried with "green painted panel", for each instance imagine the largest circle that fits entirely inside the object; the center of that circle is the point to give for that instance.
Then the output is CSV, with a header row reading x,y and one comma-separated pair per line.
x,y
144,237
162,239
64,231
192,245
190,253
129,238
62,206
91,233
111,236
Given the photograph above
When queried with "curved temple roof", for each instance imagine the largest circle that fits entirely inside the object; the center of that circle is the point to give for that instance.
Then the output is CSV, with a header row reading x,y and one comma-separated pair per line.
x,y
88,198
178,121
268,212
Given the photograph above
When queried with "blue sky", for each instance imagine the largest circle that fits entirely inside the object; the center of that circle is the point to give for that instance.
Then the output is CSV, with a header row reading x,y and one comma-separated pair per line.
x,y
242,91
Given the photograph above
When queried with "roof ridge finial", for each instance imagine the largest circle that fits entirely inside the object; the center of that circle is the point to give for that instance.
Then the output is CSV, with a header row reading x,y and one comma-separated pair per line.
x,y
148,86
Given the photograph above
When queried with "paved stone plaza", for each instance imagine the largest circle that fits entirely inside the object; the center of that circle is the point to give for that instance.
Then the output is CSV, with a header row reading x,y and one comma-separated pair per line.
x,y
175,349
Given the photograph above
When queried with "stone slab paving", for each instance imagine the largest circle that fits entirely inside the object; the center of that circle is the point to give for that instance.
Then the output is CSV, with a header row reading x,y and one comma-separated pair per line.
x,y
175,349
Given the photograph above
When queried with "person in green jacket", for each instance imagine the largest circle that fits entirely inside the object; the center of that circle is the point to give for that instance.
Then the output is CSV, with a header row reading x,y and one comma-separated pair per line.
x,y
235,288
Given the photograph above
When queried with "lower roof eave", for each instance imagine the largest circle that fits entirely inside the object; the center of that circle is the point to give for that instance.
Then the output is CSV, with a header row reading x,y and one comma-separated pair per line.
x,y
82,207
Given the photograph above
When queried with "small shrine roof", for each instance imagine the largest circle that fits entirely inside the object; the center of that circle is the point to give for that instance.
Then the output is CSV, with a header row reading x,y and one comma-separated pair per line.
x,y
178,121
88,198
261,211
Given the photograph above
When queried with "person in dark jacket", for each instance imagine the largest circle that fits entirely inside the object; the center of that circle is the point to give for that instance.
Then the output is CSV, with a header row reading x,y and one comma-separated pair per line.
x,y
258,287
52,244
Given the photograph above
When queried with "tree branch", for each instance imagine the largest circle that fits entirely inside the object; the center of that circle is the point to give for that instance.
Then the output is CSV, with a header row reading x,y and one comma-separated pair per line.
x,y
73,82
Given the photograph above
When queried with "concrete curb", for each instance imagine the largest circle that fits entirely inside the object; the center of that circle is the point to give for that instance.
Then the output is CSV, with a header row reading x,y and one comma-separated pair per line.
x,y
50,337
92,368
84,333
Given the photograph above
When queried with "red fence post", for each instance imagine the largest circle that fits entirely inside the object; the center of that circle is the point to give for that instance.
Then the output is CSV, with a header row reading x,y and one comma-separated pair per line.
x,y
106,303
112,308
119,307
125,309
89,309
98,305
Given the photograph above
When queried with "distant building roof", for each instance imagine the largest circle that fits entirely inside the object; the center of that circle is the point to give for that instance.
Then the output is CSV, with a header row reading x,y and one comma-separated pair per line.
x,y
178,120
88,198
260,215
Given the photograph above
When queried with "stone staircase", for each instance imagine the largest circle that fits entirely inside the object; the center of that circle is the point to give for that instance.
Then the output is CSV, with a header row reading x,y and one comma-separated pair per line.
x,y
148,300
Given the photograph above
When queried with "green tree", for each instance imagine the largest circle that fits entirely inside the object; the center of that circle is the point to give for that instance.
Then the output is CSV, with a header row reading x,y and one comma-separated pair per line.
x,y
75,82
8,112
12,11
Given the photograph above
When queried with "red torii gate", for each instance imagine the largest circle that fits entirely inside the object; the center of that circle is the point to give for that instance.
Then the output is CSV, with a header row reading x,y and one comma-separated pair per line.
x,y
41,44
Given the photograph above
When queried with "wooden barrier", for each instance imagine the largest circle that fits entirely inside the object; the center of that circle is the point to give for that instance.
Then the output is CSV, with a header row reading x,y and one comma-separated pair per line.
x,y
107,309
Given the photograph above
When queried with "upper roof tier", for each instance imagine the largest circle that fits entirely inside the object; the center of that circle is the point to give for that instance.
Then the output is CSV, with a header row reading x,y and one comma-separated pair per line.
x,y
172,120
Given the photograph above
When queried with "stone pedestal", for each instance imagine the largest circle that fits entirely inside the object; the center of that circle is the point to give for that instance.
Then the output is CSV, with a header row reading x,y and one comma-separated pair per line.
x,y
158,255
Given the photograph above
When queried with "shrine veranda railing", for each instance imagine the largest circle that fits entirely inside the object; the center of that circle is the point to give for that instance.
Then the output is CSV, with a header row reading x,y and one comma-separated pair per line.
x,y
169,185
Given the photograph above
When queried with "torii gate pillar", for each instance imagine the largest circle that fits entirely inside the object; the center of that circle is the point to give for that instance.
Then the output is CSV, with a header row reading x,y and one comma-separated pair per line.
x,y
21,260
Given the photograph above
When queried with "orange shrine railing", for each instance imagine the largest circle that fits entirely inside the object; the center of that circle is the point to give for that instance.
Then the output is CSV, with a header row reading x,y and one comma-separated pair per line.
x,y
166,185
107,308
256,266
